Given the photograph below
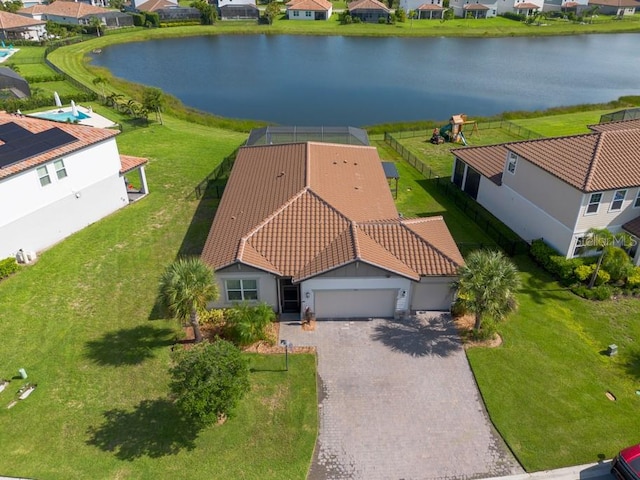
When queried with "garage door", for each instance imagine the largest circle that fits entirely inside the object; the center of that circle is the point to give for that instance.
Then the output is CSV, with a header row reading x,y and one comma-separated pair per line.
x,y
355,303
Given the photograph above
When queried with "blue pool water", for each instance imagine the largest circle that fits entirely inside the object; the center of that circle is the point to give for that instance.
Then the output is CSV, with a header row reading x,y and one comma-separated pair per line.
x,y
62,116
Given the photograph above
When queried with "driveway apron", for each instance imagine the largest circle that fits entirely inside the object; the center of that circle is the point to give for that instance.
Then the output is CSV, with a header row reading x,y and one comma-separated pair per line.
x,y
397,400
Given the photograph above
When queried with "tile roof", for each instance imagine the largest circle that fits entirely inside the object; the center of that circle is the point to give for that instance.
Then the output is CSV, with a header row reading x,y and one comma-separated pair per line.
x,y
616,3
85,136
367,5
570,4
298,210
311,5
592,162
429,6
633,227
526,5
34,10
10,21
62,8
475,6
128,163
153,5
620,125
488,161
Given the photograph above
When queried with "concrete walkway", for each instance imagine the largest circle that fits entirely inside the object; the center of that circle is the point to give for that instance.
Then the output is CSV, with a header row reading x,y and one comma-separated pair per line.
x,y
398,401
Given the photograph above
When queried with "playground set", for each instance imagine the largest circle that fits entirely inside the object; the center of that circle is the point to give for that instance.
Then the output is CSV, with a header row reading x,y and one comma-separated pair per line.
x,y
452,131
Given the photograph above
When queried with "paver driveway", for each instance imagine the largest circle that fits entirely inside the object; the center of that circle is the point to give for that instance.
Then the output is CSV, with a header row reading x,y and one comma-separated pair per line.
x,y
398,401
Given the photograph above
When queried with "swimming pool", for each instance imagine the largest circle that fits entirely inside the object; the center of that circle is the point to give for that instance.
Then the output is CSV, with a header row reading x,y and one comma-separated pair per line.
x,y
61,116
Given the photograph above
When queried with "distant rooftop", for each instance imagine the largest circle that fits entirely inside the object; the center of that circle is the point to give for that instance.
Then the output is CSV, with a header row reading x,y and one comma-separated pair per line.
x,y
279,135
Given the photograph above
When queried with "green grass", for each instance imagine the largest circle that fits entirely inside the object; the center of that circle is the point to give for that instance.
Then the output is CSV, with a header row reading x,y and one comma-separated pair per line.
x,y
545,386
82,322
564,124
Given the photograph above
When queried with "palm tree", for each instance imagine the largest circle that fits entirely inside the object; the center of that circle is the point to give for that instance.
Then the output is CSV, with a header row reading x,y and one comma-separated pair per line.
x,y
153,100
185,288
96,23
487,284
601,239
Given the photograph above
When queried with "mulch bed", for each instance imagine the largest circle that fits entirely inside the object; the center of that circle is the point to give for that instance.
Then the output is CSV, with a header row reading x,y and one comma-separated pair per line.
x,y
464,324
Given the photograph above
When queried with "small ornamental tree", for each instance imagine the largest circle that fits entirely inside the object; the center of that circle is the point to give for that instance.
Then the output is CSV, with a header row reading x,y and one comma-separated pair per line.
x,y
208,380
272,11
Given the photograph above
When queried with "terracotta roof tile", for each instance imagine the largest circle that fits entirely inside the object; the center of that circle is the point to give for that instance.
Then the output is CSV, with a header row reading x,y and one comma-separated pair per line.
x,y
488,161
475,6
590,162
526,5
85,136
298,210
429,6
615,3
10,21
62,8
367,5
621,125
311,5
153,5
129,163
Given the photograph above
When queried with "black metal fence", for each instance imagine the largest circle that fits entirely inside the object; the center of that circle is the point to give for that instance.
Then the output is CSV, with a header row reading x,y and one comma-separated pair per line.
x,y
487,222
627,114
213,184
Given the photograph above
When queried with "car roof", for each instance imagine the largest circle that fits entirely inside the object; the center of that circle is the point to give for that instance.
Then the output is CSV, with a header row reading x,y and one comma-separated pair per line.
x,y
631,455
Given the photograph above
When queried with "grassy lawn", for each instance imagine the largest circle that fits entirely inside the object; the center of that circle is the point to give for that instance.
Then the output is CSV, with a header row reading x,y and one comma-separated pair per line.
x,y
82,322
567,124
545,386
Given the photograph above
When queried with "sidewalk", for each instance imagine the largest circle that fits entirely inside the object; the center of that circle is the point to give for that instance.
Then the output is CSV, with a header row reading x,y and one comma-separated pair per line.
x,y
579,472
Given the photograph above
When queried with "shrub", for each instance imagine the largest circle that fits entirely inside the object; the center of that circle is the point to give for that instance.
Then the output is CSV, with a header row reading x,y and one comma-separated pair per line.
x,y
584,273
382,20
564,267
8,266
514,16
401,15
215,316
247,324
208,380
633,280
602,292
486,332
541,253
459,308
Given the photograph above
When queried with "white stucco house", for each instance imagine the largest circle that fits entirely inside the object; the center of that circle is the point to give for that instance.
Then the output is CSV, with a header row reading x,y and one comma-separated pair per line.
x,y
425,8
309,10
18,27
57,178
474,8
314,225
559,188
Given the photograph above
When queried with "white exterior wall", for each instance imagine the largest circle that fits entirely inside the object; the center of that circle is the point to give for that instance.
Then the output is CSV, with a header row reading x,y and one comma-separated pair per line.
x,y
523,217
359,283
302,14
605,218
509,5
408,5
267,287
458,7
41,216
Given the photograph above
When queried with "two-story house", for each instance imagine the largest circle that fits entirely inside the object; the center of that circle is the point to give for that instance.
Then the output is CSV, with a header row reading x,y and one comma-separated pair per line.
x,y
559,188
57,178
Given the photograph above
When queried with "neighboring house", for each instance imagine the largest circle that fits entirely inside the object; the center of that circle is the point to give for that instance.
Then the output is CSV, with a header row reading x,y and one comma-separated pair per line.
x,y
293,134
18,27
12,84
238,9
169,11
77,13
615,7
576,7
309,10
369,10
425,8
477,9
525,8
431,10
559,188
314,225
57,178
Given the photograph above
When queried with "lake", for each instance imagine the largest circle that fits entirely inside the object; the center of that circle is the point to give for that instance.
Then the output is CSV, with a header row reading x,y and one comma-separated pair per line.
x,y
318,80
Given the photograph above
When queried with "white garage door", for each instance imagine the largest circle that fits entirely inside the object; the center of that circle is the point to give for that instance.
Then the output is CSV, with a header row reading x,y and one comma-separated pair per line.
x,y
355,303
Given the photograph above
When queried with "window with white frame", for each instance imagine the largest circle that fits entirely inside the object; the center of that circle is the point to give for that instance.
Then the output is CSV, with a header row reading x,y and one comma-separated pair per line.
x,y
239,290
308,14
43,175
513,160
61,171
594,203
618,199
636,204
580,247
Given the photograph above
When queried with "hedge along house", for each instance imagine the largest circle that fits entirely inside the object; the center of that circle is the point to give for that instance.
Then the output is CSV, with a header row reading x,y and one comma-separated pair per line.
x,y
313,225
559,188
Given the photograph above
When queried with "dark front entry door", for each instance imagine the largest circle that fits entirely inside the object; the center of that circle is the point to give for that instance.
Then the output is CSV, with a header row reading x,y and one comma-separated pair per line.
x,y
289,296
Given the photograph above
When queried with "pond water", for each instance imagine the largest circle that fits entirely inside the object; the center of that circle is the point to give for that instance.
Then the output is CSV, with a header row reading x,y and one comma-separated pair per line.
x,y
314,80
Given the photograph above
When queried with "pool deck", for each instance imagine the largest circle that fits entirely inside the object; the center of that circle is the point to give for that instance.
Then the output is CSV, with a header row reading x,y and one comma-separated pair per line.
x,y
95,120
9,52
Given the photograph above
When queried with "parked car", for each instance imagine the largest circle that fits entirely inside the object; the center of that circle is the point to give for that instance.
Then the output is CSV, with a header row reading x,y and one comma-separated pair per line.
x,y
626,465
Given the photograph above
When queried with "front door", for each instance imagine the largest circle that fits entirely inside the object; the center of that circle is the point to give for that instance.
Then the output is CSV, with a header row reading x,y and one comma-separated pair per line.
x,y
289,296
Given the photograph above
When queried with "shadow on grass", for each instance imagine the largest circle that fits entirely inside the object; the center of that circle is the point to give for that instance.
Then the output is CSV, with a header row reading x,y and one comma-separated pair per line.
x,y
152,429
129,346
632,365
196,235
417,337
